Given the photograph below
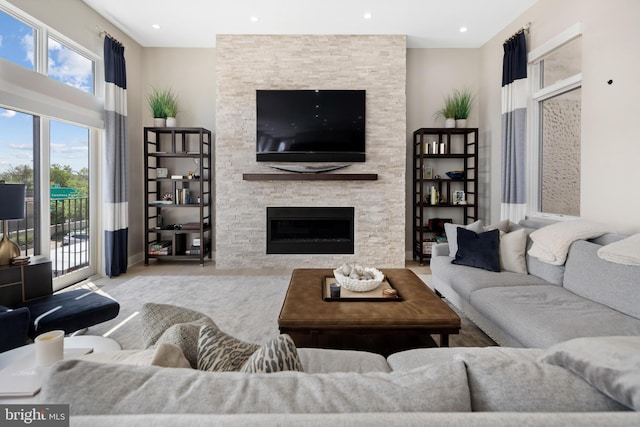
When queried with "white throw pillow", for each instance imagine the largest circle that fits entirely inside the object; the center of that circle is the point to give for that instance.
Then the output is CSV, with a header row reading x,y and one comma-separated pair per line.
x,y
610,364
451,231
165,355
513,248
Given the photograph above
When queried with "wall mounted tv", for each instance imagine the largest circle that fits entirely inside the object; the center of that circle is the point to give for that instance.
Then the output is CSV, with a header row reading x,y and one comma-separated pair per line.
x,y
310,125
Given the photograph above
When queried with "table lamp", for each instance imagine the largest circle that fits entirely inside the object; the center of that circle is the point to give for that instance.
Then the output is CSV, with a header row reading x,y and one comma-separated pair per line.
x,y
12,206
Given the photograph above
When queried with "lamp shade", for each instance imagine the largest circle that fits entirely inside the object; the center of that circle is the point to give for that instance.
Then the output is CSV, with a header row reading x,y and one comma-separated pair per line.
x,y
12,197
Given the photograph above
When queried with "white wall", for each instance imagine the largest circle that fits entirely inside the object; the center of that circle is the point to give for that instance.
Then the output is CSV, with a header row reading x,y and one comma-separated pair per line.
x,y
610,145
431,75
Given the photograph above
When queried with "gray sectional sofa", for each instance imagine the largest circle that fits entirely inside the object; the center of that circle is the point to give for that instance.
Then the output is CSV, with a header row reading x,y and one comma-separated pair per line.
x,y
449,386
585,297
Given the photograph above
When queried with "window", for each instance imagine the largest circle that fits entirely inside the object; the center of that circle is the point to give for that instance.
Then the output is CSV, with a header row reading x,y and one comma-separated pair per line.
x,y
48,145
16,41
555,121
70,67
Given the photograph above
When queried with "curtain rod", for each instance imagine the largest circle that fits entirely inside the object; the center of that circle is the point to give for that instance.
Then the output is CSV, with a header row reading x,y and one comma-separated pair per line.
x,y
105,33
525,29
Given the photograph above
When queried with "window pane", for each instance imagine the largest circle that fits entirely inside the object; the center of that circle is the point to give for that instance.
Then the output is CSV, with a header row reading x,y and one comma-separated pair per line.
x,y
69,177
69,67
560,174
562,63
16,41
16,166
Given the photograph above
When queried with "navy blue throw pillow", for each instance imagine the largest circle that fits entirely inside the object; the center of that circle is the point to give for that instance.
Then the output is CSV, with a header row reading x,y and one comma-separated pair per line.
x,y
478,250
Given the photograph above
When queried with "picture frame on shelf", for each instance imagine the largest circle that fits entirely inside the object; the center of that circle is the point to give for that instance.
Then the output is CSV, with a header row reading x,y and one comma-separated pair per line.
x,y
427,172
459,198
162,172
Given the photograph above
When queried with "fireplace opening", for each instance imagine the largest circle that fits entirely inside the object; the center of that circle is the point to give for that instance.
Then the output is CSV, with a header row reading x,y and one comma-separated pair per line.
x,y
310,230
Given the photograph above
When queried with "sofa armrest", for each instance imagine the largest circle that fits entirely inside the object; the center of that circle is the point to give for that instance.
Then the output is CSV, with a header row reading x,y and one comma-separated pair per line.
x,y
440,249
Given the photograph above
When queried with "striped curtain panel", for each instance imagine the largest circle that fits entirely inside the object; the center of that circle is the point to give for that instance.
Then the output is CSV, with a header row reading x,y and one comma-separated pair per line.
x,y
514,120
114,179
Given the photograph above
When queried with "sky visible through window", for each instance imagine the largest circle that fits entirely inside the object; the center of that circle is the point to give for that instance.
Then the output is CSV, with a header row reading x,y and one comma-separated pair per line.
x,y
69,143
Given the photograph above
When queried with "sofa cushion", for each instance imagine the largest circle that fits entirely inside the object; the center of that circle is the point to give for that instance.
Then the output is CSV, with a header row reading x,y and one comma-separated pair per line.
x,y
502,382
323,360
451,231
118,389
480,250
165,354
277,355
610,364
162,323
540,316
219,352
614,285
465,280
412,359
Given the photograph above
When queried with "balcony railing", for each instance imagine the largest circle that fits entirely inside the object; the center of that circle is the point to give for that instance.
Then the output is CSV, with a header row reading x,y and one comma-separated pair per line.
x,y
69,248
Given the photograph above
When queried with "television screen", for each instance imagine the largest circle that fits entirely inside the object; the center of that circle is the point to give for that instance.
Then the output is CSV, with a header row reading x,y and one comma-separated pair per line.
x,y
310,125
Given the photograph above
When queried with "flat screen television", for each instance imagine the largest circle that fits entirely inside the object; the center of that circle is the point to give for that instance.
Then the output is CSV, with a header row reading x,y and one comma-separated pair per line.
x,y
310,125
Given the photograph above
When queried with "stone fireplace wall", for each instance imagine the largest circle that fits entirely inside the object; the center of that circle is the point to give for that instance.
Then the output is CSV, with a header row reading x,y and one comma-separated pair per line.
x,y
246,63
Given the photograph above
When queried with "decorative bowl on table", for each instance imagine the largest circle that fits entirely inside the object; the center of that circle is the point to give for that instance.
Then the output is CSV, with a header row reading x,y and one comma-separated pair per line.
x,y
459,174
358,278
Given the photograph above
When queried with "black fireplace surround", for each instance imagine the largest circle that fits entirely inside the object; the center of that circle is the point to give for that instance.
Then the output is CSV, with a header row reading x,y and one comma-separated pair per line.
x,y
310,230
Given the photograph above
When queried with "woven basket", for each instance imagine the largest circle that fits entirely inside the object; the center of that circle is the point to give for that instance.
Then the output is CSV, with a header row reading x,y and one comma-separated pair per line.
x,y
356,285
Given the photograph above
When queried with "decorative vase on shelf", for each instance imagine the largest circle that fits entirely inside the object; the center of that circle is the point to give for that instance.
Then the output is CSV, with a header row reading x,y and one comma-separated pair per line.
x,y
172,122
461,123
450,123
159,122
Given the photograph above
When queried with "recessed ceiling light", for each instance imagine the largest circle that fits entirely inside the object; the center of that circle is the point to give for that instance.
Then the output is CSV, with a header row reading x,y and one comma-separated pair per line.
x,y
254,19
367,15
463,29
155,26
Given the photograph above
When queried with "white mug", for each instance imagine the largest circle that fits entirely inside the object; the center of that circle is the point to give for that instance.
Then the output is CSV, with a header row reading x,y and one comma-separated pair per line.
x,y
49,348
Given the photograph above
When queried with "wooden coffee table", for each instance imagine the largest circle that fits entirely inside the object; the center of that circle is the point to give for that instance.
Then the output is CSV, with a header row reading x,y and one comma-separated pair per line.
x,y
380,326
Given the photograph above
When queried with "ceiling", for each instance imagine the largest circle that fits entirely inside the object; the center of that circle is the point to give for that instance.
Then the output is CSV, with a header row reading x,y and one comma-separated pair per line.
x,y
195,23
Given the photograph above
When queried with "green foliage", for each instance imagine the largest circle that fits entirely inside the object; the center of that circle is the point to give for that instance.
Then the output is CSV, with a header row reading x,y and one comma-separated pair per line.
x,y
449,109
463,98
162,103
457,105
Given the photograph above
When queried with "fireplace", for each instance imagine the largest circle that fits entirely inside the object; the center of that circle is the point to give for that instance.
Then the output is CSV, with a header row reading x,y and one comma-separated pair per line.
x,y
310,230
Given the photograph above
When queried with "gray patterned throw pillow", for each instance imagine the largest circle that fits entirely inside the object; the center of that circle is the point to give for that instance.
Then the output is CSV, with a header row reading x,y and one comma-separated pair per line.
x,y
277,355
218,351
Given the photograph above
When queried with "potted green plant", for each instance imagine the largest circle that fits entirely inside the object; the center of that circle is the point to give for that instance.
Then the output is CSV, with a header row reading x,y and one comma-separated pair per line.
x,y
448,112
164,107
171,108
463,99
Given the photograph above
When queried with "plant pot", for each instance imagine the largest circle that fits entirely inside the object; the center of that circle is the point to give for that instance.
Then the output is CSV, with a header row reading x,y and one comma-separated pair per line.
x,y
450,123
159,122
461,123
172,122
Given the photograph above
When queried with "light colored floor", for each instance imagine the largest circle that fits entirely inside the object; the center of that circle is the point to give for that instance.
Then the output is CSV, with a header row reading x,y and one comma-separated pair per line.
x,y
177,268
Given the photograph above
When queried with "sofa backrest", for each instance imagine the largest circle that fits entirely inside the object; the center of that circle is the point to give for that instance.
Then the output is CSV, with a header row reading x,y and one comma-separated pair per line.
x,y
551,273
608,283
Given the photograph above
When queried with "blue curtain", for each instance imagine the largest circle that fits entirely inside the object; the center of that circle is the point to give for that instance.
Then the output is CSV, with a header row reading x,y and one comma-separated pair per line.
x,y
514,120
114,179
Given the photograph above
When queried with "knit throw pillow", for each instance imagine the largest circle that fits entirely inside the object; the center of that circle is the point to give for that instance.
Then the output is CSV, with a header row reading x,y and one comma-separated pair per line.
x,y
163,323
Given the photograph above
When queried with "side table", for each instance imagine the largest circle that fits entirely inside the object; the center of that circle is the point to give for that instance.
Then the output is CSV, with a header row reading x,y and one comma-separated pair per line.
x,y
25,357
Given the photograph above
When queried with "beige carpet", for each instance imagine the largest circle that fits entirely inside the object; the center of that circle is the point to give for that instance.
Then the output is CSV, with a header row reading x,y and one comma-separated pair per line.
x,y
246,307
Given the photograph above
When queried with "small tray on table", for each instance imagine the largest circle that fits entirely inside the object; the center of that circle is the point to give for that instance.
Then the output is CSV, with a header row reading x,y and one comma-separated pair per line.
x,y
347,295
